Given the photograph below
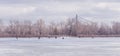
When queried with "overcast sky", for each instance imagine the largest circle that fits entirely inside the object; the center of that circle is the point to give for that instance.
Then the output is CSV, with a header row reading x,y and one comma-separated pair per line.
x,y
55,10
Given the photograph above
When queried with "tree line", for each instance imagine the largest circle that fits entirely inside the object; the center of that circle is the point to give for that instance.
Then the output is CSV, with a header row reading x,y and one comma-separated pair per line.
x,y
70,27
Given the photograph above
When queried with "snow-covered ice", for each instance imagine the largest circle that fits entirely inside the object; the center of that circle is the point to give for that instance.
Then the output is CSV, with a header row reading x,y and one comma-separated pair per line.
x,y
60,47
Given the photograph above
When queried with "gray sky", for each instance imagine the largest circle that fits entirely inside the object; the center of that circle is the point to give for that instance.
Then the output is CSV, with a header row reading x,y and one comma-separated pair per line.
x,y
55,10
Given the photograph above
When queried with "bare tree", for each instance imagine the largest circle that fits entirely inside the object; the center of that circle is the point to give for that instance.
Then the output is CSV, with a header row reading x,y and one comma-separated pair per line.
x,y
53,29
40,27
116,28
104,29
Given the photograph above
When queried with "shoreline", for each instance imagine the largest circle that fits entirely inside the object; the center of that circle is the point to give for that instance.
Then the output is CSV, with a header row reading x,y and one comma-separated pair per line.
x,y
59,36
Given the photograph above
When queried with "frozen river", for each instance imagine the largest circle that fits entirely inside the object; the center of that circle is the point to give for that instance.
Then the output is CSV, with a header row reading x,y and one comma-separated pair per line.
x,y
60,47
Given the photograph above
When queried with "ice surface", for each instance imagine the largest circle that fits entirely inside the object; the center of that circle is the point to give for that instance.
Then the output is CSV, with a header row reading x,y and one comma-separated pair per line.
x,y
60,47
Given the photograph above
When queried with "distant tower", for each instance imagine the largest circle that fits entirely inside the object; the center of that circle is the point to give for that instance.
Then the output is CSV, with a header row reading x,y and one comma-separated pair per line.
x,y
76,22
76,19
